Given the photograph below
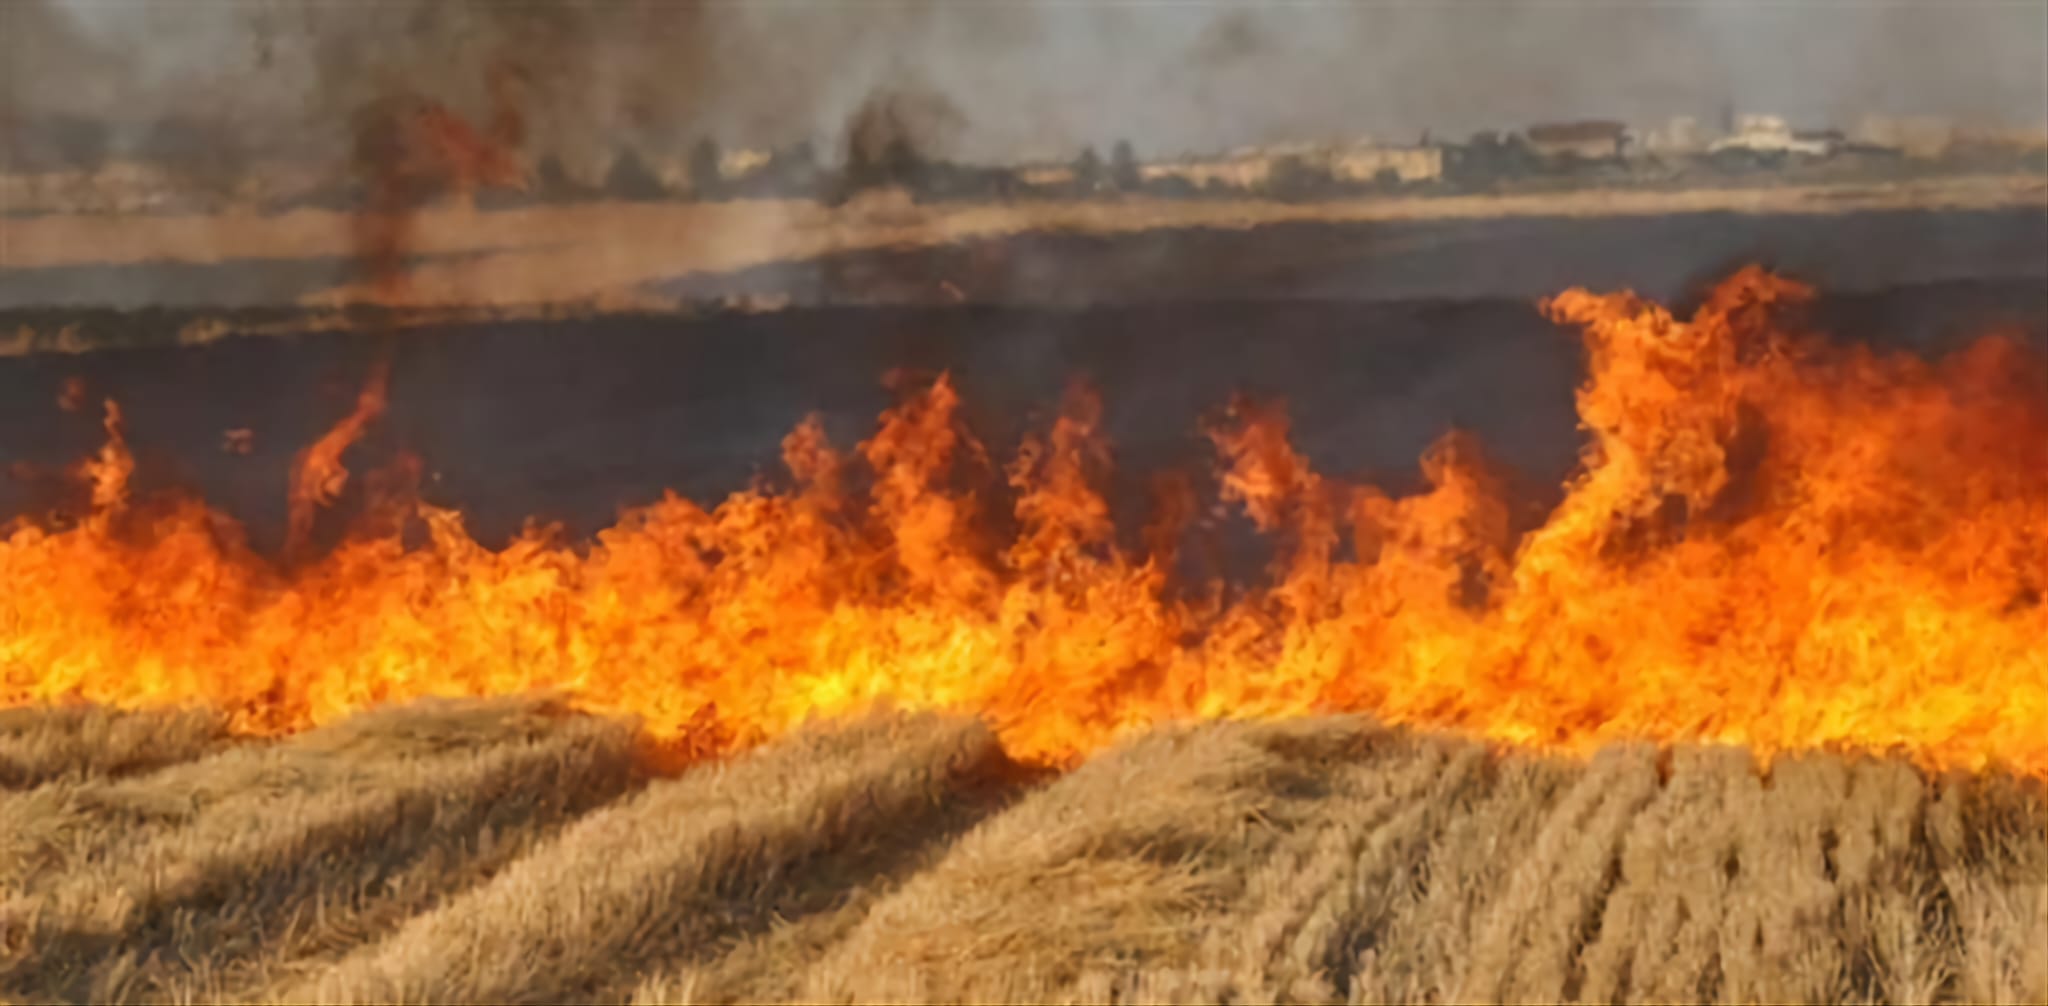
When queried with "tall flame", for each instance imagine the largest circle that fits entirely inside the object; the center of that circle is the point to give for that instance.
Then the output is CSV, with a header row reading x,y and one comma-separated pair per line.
x,y
318,475
1771,541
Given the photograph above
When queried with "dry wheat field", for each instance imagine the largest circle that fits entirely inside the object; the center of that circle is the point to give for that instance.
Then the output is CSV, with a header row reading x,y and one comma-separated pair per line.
x,y
512,851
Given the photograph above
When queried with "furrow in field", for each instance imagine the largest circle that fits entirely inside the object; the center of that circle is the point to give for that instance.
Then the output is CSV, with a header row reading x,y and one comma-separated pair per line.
x,y
1099,885
1276,942
1525,947
1430,923
1899,936
240,864
41,745
768,966
1353,915
687,868
1657,937
52,831
1989,843
480,852
1776,939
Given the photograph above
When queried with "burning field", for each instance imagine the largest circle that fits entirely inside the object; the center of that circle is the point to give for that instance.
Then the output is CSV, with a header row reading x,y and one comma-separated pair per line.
x,y
1702,657
1757,710
1772,541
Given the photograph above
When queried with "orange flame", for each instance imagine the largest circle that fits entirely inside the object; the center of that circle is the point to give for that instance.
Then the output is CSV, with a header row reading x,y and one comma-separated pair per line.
x,y
108,472
407,148
318,475
1771,542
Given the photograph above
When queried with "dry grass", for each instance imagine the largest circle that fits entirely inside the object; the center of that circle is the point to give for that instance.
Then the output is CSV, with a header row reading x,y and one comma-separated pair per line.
x,y
1990,849
1294,933
681,868
492,853
1524,945
1660,930
84,239
547,254
1422,947
45,745
1115,868
205,877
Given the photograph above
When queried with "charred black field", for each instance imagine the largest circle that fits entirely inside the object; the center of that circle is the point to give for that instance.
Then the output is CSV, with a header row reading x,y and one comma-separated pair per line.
x,y
1378,338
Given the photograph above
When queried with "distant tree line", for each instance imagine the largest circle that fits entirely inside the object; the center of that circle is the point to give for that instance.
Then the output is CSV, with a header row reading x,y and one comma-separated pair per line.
x,y
887,148
795,173
1485,161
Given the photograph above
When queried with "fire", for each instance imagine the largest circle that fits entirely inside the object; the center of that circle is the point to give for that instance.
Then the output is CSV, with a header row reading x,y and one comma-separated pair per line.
x,y
318,476
1771,541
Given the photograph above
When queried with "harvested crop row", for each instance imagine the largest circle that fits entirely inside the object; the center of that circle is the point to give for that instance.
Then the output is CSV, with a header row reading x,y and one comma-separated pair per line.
x,y
1525,946
475,852
41,745
687,866
1989,845
1101,877
1276,942
1353,912
1426,937
1660,932
52,830
229,867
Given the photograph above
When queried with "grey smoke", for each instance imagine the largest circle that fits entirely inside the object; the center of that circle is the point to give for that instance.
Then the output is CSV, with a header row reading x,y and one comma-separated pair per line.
x,y
1026,78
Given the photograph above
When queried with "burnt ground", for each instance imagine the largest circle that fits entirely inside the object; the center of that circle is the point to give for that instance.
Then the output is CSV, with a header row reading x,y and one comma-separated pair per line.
x,y
1521,258
570,420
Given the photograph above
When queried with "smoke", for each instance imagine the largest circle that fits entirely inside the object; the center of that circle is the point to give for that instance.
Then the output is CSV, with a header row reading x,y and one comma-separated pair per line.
x,y
1026,78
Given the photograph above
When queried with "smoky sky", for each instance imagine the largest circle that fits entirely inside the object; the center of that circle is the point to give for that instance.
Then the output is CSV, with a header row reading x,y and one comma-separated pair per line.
x,y
1020,78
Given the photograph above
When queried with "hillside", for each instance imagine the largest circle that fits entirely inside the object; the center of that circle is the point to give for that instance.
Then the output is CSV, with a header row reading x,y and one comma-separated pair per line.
x,y
511,852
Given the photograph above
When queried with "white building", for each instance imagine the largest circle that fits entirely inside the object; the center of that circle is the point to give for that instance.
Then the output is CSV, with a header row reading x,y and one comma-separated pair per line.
x,y
1365,163
1046,174
1252,167
1681,135
1233,170
1772,134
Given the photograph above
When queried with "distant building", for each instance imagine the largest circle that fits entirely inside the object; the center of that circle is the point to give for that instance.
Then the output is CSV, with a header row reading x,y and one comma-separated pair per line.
x,y
1592,140
1044,175
1234,170
1366,163
1251,168
123,187
1833,140
1681,135
1771,134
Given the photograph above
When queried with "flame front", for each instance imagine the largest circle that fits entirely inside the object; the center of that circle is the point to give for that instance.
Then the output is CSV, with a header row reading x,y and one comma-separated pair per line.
x,y
1771,541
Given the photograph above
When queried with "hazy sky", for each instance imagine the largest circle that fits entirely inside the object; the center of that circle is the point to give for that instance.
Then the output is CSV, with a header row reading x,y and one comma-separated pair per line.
x,y
1032,75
